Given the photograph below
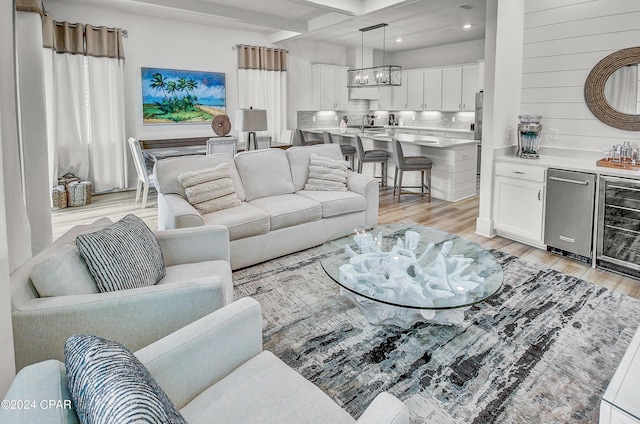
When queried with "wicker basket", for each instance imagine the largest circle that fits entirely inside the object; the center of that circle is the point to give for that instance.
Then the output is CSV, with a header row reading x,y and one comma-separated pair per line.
x,y
79,193
59,197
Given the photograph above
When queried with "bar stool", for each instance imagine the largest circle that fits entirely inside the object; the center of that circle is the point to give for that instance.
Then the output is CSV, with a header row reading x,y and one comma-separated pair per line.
x,y
381,156
410,163
299,140
348,151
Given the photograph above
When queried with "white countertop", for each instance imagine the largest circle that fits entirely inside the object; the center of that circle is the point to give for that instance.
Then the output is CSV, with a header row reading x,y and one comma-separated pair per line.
x,y
422,140
571,164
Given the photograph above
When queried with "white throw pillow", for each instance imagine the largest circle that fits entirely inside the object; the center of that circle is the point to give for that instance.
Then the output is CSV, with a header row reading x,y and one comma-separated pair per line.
x,y
326,174
63,273
210,189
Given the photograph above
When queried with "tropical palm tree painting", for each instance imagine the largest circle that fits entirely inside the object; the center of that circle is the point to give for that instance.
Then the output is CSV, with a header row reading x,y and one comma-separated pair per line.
x,y
171,96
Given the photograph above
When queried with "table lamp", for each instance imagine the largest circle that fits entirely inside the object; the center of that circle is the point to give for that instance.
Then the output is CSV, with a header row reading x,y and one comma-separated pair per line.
x,y
251,120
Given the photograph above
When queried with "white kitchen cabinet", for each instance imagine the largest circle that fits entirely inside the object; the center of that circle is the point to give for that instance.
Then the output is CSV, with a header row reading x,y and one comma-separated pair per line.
x,y
384,99
399,94
329,87
415,89
459,86
432,93
519,202
424,89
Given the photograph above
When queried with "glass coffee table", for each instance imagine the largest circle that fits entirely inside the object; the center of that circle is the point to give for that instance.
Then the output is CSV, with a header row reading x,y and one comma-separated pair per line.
x,y
401,274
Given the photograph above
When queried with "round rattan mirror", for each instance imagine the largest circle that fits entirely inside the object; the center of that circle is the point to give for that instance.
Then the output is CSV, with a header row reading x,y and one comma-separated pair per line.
x,y
594,89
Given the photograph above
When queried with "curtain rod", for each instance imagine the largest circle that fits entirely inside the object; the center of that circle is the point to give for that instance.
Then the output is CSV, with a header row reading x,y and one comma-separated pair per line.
x,y
237,46
58,23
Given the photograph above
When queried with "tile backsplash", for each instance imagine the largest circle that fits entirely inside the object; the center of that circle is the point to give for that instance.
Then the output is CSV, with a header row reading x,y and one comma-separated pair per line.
x,y
358,108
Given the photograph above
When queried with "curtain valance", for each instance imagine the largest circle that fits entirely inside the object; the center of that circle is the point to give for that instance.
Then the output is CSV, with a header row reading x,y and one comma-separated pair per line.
x,y
88,40
34,6
264,58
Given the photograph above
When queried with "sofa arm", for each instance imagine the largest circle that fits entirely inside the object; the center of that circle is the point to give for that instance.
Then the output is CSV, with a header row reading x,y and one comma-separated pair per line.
x,y
39,394
196,244
385,409
368,187
135,317
175,212
190,360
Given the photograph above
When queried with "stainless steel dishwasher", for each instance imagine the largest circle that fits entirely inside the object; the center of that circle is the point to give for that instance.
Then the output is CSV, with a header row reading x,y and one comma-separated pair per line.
x,y
569,213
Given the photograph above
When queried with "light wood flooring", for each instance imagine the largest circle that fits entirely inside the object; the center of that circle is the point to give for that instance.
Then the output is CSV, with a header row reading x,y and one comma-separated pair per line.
x,y
458,218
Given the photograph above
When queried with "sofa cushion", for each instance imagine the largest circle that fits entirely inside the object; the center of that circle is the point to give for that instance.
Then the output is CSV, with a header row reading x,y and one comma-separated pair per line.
x,y
264,390
336,203
166,172
289,210
264,173
124,255
108,384
210,189
194,271
63,273
326,174
299,160
241,221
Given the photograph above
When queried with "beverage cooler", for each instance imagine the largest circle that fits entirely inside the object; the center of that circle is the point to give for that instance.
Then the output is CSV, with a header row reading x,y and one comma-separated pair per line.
x,y
618,244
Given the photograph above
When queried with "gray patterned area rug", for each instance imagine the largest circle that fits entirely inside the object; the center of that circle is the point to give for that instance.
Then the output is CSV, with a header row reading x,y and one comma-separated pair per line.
x,y
542,351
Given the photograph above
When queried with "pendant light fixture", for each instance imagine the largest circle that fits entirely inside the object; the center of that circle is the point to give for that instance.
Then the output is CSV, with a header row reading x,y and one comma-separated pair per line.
x,y
376,76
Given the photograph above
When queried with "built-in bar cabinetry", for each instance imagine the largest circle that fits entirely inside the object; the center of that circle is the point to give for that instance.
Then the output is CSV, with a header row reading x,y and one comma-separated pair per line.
x,y
329,87
519,196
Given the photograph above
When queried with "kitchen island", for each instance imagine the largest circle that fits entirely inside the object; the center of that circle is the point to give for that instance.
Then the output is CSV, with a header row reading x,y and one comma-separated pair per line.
x,y
454,172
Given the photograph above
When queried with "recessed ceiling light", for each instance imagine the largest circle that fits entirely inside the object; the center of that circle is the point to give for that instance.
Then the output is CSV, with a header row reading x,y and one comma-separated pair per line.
x,y
467,26
399,40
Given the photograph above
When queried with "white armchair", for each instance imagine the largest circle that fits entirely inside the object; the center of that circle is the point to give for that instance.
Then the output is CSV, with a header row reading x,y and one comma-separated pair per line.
x,y
214,370
198,282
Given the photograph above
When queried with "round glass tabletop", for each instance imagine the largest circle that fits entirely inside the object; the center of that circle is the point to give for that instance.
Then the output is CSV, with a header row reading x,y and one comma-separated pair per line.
x,y
411,266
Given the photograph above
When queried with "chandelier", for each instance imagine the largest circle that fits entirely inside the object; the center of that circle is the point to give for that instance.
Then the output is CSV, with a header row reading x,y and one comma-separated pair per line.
x,y
376,76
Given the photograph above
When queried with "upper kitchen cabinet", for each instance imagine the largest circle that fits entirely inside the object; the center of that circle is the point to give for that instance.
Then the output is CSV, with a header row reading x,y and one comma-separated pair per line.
x,y
424,89
459,86
399,94
329,90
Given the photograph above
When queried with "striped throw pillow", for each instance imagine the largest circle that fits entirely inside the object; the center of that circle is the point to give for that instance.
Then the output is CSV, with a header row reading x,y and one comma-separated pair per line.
x,y
210,189
326,174
124,255
108,384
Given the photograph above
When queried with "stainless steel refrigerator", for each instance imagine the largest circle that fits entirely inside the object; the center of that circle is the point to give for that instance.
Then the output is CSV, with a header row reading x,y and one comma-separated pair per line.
x,y
477,126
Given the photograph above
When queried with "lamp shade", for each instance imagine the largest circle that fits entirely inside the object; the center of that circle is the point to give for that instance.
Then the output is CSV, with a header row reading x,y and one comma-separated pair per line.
x,y
251,120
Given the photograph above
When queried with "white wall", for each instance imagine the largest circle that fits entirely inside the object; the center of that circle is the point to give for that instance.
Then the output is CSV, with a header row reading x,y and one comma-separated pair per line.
x,y
8,136
503,70
563,40
450,54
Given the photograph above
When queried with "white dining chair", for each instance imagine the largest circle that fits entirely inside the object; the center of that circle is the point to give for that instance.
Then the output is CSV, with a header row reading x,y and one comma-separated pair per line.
x,y
222,145
145,177
286,137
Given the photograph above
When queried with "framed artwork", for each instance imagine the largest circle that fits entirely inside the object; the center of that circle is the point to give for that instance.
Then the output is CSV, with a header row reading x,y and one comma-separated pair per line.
x,y
171,96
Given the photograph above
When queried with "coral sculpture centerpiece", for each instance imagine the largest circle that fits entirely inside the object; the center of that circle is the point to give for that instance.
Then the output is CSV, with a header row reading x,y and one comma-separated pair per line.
x,y
383,280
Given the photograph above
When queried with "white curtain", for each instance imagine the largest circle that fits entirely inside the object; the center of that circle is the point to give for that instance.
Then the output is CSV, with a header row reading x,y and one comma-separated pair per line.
x,y
85,104
107,152
621,89
262,84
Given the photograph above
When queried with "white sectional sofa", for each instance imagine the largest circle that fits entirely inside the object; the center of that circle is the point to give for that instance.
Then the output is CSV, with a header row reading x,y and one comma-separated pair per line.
x,y
276,216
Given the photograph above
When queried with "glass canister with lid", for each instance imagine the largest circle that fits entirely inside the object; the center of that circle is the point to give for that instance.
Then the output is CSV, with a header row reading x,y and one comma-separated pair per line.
x,y
529,130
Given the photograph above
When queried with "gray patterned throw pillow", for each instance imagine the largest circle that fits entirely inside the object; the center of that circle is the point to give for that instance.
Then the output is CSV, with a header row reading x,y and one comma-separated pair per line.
x,y
108,384
124,255
326,174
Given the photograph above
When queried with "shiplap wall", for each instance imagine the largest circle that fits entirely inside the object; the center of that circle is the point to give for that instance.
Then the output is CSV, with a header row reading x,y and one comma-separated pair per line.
x,y
563,40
